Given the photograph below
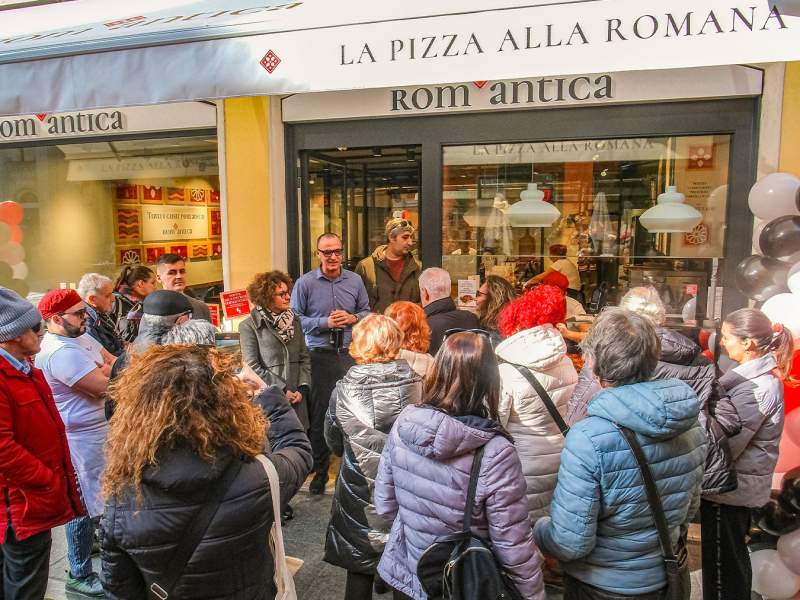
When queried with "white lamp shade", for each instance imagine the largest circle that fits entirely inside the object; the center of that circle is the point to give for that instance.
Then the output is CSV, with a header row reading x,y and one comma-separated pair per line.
x,y
671,214
532,210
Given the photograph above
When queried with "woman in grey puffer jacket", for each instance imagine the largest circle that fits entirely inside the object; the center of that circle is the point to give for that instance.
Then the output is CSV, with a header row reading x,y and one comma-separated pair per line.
x,y
364,406
424,472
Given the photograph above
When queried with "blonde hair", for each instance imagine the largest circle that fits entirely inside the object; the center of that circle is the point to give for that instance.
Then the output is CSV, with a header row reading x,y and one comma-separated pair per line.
x,y
645,301
376,339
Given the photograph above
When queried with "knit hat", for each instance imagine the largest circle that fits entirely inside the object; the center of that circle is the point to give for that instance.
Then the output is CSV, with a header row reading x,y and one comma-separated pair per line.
x,y
57,301
398,225
166,303
17,315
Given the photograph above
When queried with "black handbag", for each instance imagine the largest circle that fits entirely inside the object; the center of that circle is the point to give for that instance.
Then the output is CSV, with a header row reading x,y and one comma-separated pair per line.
x,y
676,560
463,566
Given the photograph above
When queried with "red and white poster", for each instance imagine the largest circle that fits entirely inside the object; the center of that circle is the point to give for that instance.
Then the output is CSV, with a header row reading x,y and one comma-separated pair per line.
x,y
213,310
235,303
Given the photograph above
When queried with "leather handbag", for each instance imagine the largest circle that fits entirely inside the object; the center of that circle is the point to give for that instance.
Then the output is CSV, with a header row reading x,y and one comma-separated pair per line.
x,y
676,560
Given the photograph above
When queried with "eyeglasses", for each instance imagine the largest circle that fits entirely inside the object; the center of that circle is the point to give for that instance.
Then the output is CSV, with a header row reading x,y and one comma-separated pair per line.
x,y
456,330
479,293
80,313
283,294
329,253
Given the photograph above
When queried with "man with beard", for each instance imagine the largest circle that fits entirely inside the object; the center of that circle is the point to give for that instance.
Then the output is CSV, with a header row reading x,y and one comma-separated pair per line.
x,y
77,368
391,273
329,301
171,272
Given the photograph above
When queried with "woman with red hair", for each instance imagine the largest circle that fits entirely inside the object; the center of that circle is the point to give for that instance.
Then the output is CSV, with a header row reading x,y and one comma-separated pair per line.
x,y
416,334
535,347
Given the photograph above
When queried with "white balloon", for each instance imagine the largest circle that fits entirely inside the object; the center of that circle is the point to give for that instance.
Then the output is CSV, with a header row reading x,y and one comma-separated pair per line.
x,y
771,578
785,309
12,253
774,196
20,270
793,279
689,310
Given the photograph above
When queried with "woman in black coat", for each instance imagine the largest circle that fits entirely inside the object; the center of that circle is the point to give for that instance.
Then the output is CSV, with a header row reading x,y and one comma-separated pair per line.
x,y
183,422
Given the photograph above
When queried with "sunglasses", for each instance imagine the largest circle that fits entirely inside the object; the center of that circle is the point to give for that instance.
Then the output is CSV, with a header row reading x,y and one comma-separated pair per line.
x,y
404,223
80,313
329,253
456,330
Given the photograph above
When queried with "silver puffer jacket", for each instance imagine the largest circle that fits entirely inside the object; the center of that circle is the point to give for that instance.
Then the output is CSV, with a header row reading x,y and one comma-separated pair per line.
x,y
363,408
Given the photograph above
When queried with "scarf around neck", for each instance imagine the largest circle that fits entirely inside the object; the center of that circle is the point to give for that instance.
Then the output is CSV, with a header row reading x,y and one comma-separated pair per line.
x,y
282,323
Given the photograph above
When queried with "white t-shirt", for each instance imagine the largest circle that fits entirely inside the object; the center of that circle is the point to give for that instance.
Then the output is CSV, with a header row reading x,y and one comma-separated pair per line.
x,y
574,308
568,269
65,361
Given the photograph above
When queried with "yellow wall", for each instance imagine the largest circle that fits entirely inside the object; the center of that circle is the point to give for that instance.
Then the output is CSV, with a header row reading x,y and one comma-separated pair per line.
x,y
248,188
790,121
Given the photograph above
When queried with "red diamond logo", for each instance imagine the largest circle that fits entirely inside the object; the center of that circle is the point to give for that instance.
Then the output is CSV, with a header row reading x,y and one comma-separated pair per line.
x,y
480,84
270,61
41,116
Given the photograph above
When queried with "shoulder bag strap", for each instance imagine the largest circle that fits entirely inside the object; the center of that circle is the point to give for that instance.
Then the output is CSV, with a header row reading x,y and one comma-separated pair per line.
x,y
472,488
194,533
653,498
545,397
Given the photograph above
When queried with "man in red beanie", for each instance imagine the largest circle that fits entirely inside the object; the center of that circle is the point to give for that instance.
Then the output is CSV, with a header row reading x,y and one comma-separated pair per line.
x,y
37,482
75,366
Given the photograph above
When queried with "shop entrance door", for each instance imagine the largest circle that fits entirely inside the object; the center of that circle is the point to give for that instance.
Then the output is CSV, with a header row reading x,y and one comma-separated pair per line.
x,y
353,192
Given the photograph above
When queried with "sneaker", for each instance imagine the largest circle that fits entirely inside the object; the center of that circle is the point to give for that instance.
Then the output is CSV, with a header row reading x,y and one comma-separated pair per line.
x,y
287,514
90,586
317,485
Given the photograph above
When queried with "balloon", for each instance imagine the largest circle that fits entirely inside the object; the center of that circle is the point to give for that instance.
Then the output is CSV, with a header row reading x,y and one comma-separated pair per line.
x,y
759,277
771,578
780,239
757,234
10,212
20,287
5,233
793,279
702,338
16,234
785,309
758,540
773,518
789,498
774,196
12,253
789,550
788,455
6,274
20,270
791,426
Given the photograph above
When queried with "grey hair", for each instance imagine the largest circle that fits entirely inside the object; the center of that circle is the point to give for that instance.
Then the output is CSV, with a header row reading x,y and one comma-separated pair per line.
x,y
437,281
90,283
645,301
152,330
195,331
623,346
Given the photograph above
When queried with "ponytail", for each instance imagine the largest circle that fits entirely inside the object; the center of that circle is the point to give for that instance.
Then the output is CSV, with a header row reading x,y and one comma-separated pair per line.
x,y
782,347
129,275
751,323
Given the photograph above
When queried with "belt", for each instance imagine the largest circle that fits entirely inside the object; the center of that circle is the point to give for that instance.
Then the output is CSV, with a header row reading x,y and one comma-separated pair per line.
x,y
329,350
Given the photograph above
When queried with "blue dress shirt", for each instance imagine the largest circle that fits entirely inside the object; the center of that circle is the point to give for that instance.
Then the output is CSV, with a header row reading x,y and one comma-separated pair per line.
x,y
22,366
314,297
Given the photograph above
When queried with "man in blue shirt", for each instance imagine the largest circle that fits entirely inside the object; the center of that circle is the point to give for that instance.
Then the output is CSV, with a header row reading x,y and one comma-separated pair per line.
x,y
329,301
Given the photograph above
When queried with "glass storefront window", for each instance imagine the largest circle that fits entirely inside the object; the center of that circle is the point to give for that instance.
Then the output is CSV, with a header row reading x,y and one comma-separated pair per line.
x,y
74,208
600,188
353,192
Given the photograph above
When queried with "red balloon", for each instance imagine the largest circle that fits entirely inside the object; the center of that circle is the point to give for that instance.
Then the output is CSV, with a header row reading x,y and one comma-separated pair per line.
x,y
702,337
791,426
16,234
791,393
10,212
788,455
709,354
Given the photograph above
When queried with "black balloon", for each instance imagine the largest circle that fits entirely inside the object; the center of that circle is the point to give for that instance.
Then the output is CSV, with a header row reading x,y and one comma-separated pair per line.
x,y
780,239
774,520
789,497
761,540
761,277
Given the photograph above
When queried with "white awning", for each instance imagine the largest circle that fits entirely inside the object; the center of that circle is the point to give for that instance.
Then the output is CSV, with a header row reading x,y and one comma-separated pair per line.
x,y
107,54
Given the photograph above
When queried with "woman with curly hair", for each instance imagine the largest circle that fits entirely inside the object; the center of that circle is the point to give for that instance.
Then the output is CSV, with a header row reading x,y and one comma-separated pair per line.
x,y
363,408
493,296
273,343
533,346
416,335
184,430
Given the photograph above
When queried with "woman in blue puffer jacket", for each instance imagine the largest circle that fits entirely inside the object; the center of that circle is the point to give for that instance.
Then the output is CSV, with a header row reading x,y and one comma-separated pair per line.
x,y
601,526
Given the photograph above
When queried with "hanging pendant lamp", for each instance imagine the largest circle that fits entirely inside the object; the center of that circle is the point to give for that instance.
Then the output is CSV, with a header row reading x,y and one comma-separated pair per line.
x,y
671,214
532,210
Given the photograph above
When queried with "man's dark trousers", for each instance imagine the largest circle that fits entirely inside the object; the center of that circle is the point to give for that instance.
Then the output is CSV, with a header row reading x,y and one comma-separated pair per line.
x,y
327,367
25,566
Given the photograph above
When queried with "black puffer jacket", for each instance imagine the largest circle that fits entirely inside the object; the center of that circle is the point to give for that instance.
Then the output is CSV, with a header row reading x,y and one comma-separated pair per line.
x,y
233,561
364,406
682,359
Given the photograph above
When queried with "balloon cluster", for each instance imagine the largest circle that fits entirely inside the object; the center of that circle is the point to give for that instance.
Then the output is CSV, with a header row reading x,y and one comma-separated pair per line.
x,y
773,277
775,544
13,270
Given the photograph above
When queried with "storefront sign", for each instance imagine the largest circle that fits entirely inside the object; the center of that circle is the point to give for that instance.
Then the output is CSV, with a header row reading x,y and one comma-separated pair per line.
x,y
235,303
538,92
91,123
219,48
168,223
143,167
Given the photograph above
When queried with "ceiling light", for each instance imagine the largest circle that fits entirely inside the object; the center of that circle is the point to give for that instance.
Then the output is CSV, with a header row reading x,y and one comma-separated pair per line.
x,y
411,155
532,210
377,152
671,214
341,148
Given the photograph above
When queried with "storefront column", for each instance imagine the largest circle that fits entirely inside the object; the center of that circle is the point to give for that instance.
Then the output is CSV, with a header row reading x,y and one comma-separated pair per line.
x,y
790,124
249,197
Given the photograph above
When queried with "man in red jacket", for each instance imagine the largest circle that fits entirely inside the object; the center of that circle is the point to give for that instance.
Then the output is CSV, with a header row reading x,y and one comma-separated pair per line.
x,y
38,489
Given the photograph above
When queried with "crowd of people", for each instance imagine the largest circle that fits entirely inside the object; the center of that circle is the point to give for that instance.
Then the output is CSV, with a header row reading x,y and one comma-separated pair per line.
x,y
121,419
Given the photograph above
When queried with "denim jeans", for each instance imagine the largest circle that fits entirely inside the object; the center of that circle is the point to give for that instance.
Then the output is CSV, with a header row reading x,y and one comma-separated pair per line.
x,y
25,566
80,535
